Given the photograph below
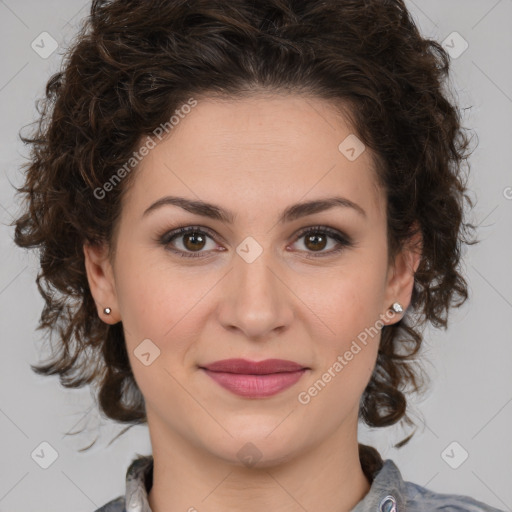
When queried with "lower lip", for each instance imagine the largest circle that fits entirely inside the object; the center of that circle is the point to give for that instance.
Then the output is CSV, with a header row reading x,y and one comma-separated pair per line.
x,y
255,386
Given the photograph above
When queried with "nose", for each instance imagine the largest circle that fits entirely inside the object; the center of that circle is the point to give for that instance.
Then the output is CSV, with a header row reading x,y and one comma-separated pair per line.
x,y
257,297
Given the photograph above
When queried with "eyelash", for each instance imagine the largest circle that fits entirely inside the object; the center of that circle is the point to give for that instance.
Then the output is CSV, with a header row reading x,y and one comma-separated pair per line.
x,y
343,241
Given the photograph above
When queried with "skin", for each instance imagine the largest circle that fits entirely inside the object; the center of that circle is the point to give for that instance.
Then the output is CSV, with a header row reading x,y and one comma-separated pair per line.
x,y
254,157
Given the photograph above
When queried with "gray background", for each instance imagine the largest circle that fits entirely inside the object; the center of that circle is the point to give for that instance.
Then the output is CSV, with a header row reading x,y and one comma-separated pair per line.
x,y
470,397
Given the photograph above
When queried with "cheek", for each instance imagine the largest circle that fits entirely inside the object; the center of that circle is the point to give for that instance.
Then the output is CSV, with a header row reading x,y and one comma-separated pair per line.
x,y
162,304
348,299
347,351
148,289
158,307
140,303
343,315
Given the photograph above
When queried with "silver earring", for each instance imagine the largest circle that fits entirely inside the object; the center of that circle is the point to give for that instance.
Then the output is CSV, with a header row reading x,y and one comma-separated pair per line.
x,y
107,311
397,307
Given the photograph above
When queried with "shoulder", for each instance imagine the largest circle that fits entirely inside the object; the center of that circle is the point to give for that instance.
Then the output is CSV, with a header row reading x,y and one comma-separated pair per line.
x,y
390,492
421,499
116,505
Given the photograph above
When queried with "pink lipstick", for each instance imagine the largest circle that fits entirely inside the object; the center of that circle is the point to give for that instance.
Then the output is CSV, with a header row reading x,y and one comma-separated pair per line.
x,y
255,379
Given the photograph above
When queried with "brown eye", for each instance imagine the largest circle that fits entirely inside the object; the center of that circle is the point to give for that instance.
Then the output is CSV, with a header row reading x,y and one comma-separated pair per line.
x,y
192,240
315,242
316,239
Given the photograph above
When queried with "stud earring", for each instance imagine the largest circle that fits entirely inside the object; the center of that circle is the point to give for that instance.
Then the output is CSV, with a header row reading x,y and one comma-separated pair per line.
x,y
397,307
107,311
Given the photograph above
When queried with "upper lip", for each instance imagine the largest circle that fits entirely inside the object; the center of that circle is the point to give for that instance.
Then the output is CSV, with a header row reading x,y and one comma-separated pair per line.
x,y
244,366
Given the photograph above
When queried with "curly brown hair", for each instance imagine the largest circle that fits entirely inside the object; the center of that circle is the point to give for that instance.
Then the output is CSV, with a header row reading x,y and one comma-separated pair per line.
x,y
135,62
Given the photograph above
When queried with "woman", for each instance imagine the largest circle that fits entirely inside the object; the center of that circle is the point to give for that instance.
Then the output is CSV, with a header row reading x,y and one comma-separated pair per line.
x,y
250,209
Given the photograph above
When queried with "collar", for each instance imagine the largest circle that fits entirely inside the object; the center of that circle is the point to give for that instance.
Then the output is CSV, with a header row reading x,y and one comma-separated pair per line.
x,y
387,492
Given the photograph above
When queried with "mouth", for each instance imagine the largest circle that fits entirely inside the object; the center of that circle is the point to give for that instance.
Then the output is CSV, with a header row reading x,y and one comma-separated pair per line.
x,y
255,379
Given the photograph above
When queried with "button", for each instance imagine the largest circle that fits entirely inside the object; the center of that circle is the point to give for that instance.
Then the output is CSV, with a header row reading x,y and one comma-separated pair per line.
x,y
388,504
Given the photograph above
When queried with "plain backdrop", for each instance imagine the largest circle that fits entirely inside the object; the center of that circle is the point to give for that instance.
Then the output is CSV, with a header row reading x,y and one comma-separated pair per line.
x,y
467,411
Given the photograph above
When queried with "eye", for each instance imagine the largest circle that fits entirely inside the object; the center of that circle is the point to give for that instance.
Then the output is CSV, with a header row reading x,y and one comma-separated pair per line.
x,y
193,239
316,239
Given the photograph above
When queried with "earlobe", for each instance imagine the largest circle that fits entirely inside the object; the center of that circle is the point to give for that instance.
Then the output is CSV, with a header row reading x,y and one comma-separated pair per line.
x,y
401,278
101,281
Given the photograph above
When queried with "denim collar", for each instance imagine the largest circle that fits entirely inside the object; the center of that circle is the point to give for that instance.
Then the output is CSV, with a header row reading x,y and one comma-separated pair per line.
x,y
387,492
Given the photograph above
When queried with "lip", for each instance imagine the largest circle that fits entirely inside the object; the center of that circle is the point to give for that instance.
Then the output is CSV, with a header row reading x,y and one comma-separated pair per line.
x,y
255,379
254,367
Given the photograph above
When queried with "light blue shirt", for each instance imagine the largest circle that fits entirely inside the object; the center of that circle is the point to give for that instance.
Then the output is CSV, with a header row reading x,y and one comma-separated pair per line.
x,y
388,493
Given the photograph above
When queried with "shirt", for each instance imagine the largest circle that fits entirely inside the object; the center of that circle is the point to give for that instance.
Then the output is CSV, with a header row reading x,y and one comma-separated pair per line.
x,y
388,491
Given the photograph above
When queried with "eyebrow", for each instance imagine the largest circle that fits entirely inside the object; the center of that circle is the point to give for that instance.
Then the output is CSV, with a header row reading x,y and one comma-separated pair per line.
x,y
291,213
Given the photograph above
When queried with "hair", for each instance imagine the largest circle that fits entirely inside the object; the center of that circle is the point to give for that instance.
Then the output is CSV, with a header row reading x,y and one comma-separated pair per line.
x,y
134,63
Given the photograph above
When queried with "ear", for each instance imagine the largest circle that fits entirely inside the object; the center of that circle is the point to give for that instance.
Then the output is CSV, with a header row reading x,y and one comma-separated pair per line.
x,y
401,272
101,281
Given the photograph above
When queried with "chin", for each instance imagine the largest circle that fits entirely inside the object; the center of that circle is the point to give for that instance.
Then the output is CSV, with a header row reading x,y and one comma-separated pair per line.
x,y
256,449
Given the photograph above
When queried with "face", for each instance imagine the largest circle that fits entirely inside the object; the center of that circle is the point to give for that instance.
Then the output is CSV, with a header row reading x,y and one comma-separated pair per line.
x,y
253,285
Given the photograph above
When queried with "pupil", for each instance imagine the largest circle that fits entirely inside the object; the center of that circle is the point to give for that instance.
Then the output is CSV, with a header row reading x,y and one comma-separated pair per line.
x,y
314,239
194,236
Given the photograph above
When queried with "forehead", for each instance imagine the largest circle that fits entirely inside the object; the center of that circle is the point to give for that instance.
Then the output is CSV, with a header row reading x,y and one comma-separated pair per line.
x,y
259,150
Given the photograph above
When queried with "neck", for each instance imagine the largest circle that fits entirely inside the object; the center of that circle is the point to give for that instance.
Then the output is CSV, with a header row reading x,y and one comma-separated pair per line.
x,y
189,478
